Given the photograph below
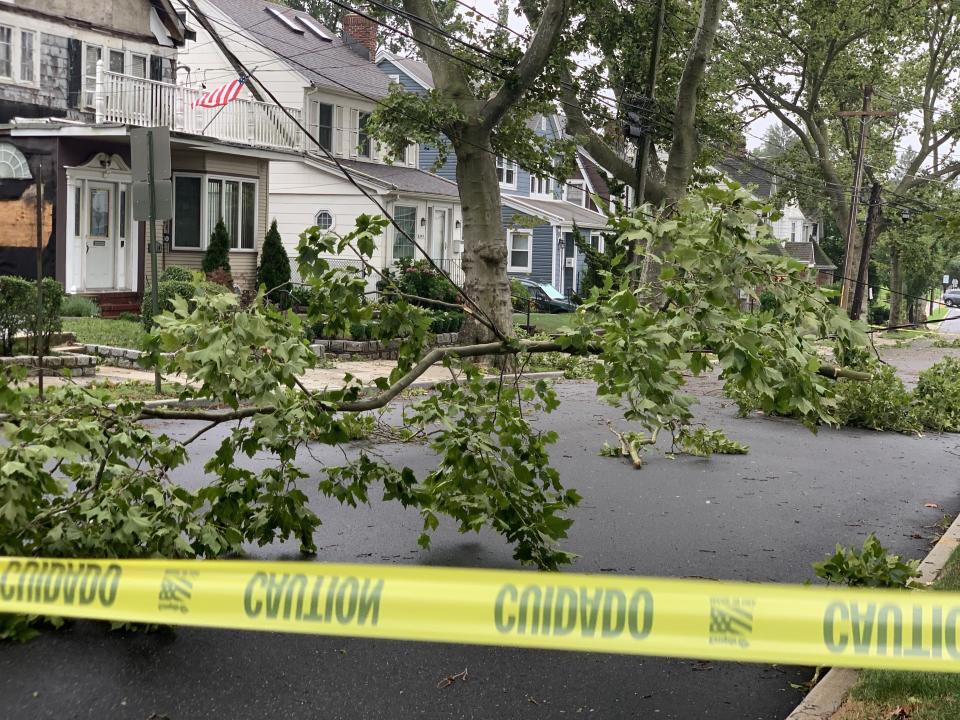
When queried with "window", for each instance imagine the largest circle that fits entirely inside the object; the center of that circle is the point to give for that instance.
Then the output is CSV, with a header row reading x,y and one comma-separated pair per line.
x,y
92,55
406,218
116,61
187,212
596,241
541,186
506,172
324,114
363,144
200,202
122,209
325,220
575,193
99,212
519,245
138,66
793,232
12,163
28,73
6,51
76,210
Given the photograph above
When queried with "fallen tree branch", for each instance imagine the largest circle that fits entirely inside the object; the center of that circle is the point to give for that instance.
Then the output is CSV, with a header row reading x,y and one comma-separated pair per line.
x,y
375,402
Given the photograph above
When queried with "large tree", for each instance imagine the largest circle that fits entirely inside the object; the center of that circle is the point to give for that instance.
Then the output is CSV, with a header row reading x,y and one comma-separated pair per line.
x,y
806,61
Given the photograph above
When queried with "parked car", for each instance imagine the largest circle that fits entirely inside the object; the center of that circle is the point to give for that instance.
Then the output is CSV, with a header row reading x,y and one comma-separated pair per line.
x,y
546,298
952,297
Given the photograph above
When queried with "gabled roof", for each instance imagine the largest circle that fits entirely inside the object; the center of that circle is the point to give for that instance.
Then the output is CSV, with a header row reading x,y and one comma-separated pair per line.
x,y
746,172
560,211
416,70
327,64
404,179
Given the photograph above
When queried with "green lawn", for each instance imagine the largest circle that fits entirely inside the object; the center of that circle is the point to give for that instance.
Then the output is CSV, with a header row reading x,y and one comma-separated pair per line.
x,y
544,322
931,696
97,331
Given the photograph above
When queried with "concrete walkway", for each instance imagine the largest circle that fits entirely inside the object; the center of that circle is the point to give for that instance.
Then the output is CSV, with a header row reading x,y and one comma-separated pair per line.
x,y
366,371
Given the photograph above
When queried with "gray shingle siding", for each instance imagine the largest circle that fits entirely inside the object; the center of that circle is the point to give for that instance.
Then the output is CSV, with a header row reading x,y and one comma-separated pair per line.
x,y
542,261
428,156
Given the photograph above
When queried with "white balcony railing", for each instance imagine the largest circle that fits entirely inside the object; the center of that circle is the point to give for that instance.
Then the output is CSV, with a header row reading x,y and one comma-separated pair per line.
x,y
148,103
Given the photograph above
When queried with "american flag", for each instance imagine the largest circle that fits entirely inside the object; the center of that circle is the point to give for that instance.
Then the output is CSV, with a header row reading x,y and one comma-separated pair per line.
x,y
221,95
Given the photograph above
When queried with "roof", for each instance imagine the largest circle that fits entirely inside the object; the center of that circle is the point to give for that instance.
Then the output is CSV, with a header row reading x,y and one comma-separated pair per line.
x,y
597,181
564,212
810,253
330,64
404,179
418,71
747,172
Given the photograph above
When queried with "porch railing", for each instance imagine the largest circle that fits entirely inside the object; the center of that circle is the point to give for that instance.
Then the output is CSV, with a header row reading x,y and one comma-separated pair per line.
x,y
138,101
453,268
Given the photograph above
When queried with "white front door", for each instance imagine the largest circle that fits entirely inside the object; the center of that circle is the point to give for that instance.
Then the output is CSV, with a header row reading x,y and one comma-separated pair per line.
x,y
438,236
100,235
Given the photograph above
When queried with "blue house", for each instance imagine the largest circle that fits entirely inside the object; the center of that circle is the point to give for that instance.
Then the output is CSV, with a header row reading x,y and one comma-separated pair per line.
x,y
540,214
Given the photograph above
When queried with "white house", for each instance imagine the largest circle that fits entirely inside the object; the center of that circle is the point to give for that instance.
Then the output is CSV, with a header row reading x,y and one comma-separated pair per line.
x,y
333,85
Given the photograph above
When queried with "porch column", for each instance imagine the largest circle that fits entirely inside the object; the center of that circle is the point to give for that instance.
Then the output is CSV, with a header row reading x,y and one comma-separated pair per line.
x,y
99,97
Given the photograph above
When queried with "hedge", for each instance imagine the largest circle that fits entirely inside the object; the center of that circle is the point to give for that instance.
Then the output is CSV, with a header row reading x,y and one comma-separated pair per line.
x,y
18,310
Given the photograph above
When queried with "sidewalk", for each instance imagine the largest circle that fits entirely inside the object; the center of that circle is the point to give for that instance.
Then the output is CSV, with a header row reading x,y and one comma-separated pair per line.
x,y
364,370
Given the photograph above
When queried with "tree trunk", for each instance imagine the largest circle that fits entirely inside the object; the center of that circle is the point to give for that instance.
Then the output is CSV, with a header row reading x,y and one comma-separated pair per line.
x,y
484,239
896,287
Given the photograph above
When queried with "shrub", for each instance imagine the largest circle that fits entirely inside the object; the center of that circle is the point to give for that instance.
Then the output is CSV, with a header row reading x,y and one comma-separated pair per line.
x,y
872,566
220,277
274,270
937,396
419,279
166,292
177,273
79,306
300,295
878,314
128,317
520,296
18,310
768,301
881,403
217,256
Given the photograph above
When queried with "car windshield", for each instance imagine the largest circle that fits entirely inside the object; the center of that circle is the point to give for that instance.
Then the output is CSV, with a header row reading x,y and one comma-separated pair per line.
x,y
552,292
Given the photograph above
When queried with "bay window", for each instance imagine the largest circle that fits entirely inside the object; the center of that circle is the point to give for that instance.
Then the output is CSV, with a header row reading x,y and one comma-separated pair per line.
x,y
201,201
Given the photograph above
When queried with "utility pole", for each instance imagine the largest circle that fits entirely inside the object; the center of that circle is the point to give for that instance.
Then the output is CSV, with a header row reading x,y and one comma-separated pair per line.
x,y
851,260
869,235
38,330
643,154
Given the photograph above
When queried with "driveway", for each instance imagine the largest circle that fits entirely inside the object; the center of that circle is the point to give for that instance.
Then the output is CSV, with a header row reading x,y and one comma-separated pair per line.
x,y
952,323
763,517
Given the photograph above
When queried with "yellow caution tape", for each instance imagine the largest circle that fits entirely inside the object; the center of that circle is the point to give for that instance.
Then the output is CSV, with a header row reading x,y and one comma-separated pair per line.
x,y
645,616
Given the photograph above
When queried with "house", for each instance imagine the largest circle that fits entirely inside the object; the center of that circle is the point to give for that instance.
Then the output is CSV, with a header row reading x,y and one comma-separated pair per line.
x,y
797,232
75,79
541,215
333,85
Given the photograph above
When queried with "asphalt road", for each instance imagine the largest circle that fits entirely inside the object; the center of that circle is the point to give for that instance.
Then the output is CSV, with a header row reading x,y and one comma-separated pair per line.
x,y
764,516
952,323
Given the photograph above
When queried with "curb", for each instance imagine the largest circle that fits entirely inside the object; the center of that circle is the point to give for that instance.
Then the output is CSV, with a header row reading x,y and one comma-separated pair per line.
x,y
828,695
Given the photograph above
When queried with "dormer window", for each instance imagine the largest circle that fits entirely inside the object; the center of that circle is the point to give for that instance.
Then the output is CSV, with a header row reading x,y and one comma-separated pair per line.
x,y
507,173
541,186
575,193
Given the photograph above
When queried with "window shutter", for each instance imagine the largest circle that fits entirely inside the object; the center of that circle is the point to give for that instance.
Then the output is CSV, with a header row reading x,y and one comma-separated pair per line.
x,y
156,68
338,132
74,72
354,132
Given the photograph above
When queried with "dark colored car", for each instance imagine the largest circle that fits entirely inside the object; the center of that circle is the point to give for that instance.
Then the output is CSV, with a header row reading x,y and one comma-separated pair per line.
x,y
546,298
952,297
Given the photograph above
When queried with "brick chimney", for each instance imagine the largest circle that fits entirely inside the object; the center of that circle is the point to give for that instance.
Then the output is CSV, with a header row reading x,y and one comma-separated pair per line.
x,y
358,30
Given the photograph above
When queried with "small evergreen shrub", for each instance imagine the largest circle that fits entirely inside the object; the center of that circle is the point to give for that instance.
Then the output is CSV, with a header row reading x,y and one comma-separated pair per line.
x,y
217,256
177,273
274,271
79,306
878,314
520,296
768,301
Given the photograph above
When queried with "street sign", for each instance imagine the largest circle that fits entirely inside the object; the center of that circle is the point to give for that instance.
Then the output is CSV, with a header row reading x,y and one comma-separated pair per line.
x,y
946,279
140,153
141,200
